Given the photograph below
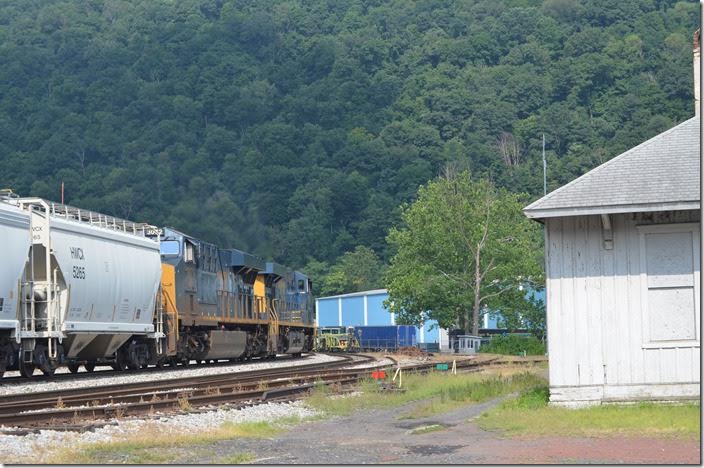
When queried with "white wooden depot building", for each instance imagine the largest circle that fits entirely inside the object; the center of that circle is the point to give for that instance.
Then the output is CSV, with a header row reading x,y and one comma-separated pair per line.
x,y
622,268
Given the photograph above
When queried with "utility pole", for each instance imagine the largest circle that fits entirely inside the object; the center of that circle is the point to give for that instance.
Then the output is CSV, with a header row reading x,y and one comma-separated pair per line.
x,y
545,167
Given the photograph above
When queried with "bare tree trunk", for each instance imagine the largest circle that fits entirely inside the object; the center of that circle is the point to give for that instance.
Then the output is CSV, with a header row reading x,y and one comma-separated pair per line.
x,y
477,295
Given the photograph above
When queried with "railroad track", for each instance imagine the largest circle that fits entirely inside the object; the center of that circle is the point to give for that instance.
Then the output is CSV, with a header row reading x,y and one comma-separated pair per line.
x,y
146,371
52,409
73,408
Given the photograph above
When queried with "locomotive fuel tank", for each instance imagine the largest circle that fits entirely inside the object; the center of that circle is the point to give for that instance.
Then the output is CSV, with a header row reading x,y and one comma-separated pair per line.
x,y
225,344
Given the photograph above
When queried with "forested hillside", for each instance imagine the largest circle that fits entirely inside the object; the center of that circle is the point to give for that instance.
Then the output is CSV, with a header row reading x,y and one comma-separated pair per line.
x,y
295,129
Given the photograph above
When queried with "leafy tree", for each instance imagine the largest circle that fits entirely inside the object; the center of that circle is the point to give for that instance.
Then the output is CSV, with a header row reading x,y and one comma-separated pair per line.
x,y
295,129
464,245
520,311
359,270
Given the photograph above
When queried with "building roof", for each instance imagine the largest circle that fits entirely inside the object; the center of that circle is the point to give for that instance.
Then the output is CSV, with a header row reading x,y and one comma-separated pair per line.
x,y
371,292
660,174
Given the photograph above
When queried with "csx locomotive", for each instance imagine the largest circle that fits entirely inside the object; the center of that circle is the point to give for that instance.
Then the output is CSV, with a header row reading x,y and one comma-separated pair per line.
x,y
81,288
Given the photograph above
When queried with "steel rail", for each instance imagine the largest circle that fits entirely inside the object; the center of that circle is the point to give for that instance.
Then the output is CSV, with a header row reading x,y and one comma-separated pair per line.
x,y
282,383
73,415
100,390
164,393
150,394
147,370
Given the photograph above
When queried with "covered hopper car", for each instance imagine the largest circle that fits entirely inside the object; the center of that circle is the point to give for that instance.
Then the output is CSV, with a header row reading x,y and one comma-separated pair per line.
x,y
76,286
82,288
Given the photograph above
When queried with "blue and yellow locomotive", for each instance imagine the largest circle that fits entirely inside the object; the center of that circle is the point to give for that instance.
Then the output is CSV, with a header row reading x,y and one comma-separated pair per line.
x,y
228,304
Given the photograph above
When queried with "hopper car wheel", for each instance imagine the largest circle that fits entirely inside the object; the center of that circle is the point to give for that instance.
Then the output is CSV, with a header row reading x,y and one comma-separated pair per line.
x,y
45,364
89,366
73,367
26,369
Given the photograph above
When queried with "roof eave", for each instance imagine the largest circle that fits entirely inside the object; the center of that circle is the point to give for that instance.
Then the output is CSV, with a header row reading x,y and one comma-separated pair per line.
x,y
609,209
371,292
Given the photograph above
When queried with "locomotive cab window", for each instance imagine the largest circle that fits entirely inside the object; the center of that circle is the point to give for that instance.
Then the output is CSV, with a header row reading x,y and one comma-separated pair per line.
x,y
189,252
169,247
301,285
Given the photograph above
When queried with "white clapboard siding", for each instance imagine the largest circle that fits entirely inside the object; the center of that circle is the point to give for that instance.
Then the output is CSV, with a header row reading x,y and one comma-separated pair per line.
x,y
599,338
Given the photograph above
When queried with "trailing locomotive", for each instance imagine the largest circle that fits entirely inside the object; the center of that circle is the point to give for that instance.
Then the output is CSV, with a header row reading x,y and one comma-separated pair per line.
x,y
225,303
81,288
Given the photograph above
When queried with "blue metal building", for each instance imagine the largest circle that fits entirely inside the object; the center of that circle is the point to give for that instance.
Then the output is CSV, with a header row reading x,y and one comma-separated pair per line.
x,y
366,308
493,321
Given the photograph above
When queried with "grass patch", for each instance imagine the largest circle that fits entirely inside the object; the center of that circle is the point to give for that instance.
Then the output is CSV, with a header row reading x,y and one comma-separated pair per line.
x,y
445,392
530,415
143,446
235,459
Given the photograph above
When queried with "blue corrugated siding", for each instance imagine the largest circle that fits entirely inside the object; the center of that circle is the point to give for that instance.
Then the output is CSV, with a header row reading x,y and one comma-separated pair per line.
x,y
376,313
496,320
537,294
352,311
328,313
492,321
431,336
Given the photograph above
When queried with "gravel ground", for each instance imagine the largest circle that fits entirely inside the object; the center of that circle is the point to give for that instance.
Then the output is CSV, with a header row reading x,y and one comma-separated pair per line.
x,y
381,362
377,436
17,388
34,447
28,448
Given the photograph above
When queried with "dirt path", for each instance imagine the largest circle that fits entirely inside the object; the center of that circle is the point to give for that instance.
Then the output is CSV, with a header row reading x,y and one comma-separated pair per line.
x,y
377,436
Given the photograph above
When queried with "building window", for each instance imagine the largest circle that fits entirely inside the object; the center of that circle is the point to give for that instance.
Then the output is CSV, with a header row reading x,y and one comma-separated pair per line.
x,y
670,271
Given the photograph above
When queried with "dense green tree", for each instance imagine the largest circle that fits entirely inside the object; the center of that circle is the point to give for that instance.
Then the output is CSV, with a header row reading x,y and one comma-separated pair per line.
x,y
295,129
358,270
464,246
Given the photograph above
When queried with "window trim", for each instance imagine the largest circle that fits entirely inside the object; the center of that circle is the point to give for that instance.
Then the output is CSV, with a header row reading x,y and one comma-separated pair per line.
x,y
643,230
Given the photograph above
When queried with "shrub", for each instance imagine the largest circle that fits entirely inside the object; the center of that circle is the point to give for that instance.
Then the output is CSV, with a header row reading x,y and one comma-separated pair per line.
x,y
536,397
514,345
